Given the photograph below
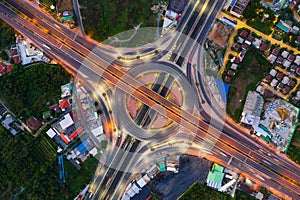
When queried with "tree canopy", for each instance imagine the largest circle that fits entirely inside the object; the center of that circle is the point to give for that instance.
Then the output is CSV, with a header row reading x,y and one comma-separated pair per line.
x,y
7,36
26,90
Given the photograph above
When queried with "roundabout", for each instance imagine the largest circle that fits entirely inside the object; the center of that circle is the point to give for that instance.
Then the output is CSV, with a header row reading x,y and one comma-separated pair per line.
x,y
140,120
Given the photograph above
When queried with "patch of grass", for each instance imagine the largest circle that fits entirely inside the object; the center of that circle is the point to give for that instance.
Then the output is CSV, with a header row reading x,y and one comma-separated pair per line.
x,y
46,147
199,191
77,180
241,195
3,55
106,18
259,17
263,27
7,36
294,149
250,72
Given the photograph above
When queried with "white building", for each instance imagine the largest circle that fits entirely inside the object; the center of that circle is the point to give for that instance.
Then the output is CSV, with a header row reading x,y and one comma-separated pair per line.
x,y
252,108
66,122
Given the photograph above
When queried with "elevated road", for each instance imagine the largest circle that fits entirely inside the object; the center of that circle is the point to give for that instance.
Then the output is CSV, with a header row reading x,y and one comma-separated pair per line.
x,y
145,95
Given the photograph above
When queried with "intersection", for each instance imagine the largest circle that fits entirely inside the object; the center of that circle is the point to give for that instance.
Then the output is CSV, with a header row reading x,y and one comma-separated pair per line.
x,y
77,56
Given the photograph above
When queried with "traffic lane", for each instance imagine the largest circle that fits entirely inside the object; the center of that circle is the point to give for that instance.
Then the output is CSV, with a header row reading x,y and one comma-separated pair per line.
x,y
202,36
211,19
144,110
114,172
190,42
211,6
20,8
32,32
280,167
125,165
274,166
187,27
235,132
253,174
34,13
110,166
48,38
291,187
270,154
151,115
64,36
185,16
237,136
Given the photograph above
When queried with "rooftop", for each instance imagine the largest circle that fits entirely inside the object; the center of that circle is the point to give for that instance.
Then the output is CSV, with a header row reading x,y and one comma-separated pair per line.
x,y
215,176
254,104
64,104
66,122
33,123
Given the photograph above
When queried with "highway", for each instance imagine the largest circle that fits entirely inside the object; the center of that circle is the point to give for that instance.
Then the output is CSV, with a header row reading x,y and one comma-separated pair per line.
x,y
73,57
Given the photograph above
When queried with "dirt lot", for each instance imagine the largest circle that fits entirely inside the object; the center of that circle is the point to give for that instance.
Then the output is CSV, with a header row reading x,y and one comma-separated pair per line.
x,y
220,34
169,186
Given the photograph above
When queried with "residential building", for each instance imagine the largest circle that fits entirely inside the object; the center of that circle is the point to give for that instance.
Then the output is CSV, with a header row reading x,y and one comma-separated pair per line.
x,y
237,7
9,124
33,123
64,104
273,4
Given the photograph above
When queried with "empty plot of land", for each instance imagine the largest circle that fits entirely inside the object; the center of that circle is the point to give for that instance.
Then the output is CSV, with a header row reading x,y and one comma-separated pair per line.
x,y
220,34
63,5
169,186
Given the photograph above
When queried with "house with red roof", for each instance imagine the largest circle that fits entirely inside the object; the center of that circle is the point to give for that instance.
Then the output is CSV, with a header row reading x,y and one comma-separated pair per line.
x,y
279,76
14,54
16,59
298,40
33,123
244,34
227,79
263,46
276,51
291,83
298,70
293,68
279,60
291,57
286,90
64,104
8,68
55,107
268,78
250,38
236,60
280,86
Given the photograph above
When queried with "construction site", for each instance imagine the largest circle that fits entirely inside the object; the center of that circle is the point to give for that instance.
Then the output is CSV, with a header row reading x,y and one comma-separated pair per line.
x,y
279,121
220,34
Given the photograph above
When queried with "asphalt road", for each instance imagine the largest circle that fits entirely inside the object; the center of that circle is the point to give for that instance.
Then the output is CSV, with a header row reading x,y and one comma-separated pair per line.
x,y
143,94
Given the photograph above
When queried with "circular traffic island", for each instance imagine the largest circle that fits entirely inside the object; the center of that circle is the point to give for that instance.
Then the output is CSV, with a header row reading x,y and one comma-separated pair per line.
x,y
139,118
